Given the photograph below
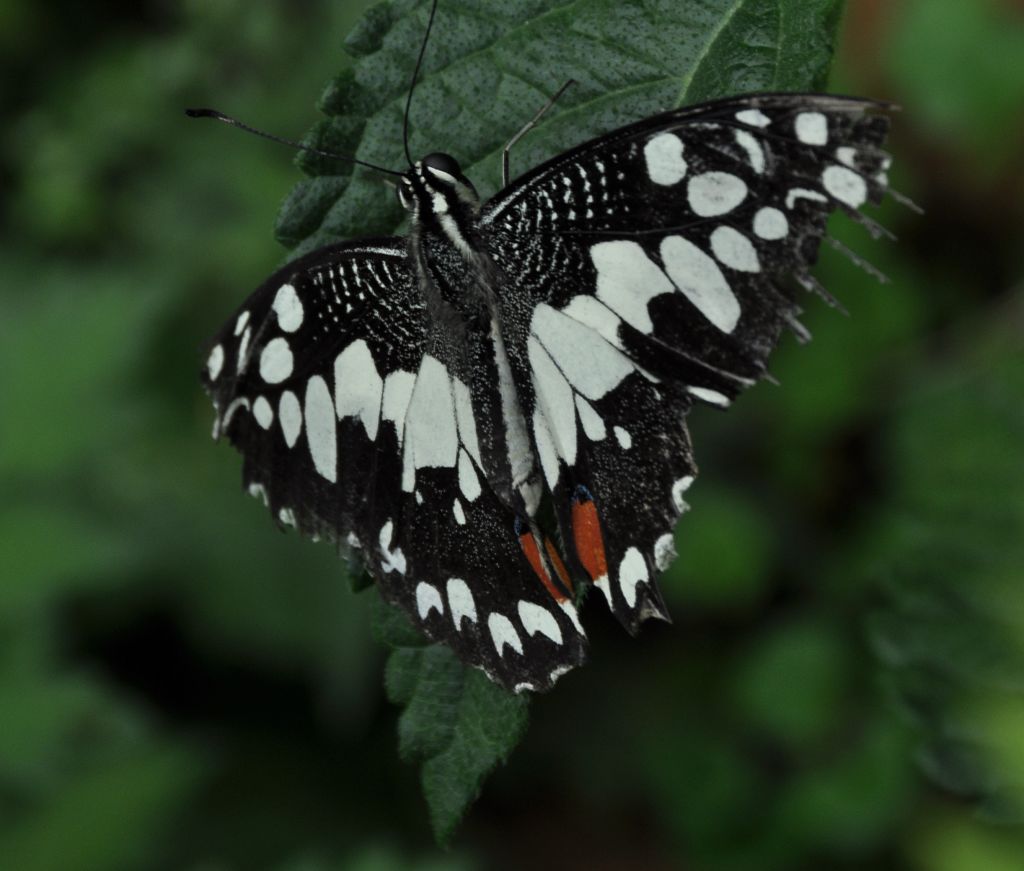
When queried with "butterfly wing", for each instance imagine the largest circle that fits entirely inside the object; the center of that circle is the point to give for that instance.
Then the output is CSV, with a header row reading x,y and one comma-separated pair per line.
x,y
355,427
649,269
316,450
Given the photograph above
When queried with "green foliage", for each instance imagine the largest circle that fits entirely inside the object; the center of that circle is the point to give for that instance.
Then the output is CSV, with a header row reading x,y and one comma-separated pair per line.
x,y
184,689
973,99
489,68
456,721
949,551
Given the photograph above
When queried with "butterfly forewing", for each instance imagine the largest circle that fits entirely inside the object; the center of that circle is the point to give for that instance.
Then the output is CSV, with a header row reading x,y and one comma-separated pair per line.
x,y
306,378
658,263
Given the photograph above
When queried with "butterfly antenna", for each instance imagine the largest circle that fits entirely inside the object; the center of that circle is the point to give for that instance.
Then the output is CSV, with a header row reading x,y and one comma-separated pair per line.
x,y
234,122
412,84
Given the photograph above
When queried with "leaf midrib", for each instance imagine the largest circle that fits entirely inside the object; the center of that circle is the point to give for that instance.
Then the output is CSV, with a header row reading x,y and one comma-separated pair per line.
x,y
713,37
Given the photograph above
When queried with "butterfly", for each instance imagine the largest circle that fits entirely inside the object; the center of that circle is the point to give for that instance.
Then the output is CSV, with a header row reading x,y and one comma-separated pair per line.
x,y
491,411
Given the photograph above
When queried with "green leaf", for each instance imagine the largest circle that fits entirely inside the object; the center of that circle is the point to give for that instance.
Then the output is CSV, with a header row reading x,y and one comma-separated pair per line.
x,y
391,627
487,70
456,722
490,67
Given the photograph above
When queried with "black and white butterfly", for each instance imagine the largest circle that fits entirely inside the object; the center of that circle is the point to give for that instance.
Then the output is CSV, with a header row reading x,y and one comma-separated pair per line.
x,y
491,410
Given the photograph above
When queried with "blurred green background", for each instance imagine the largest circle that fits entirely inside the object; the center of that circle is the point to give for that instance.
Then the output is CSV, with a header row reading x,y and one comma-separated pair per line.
x,y
181,687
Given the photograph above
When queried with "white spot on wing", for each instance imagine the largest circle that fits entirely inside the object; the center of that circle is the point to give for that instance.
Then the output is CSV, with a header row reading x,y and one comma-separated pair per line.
x,y
397,393
753,117
215,362
845,185
593,425
846,154
469,483
771,224
465,419
428,599
555,398
241,321
289,412
711,396
391,560
243,349
431,437
755,153
460,602
570,611
623,437
289,308
632,571
627,280
811,128
276,361
734,249
701,281
589,363
795,194
503,633
537,619
236,403
664,551
321,433
287,517
715,193
558,672
458,512
678,489
358,388
546,448
590,312
263,413
664,156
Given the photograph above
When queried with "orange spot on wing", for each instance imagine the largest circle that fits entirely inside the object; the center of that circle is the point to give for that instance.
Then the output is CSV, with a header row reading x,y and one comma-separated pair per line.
x,y
556,561
586,532
529,546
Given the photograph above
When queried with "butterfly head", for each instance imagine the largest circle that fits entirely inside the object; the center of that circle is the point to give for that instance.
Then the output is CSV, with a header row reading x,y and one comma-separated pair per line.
x,y
436,184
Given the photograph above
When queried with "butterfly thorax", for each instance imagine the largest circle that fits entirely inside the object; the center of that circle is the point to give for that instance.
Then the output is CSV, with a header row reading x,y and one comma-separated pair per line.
x,y
458,280
442,202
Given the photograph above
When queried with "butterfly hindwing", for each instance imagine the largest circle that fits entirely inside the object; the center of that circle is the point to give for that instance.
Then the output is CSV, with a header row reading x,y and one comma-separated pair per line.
x,y
356,423
458,557
657,261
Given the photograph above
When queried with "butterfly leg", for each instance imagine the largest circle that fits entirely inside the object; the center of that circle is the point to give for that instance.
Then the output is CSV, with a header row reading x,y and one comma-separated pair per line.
x,y
527,128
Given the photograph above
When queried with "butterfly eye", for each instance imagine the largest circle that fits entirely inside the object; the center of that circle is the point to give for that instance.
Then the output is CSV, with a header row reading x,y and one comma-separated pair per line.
x,y
443,162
